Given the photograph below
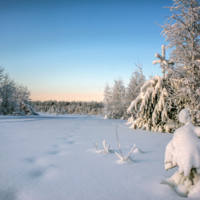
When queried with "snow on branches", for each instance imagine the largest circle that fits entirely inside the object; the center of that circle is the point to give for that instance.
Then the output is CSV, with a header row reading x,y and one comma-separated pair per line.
x,y
182,34
163,62
150,106
106,148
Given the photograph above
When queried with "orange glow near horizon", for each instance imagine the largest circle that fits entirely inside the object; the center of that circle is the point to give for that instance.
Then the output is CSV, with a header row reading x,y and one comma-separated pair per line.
x,y
67,97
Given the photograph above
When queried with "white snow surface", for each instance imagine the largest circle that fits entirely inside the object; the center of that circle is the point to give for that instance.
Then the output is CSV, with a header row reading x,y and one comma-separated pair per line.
x,y
50,157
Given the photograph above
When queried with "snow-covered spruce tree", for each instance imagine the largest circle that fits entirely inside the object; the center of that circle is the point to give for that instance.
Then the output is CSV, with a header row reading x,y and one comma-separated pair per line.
x,y
153,109
182,32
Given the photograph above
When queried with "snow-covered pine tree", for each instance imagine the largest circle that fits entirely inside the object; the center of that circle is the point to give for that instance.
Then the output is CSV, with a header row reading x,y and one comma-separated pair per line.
x,y
182,32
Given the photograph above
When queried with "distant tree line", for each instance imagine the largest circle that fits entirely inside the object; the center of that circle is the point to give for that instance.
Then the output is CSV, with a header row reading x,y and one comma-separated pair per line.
x,y
66,107
14,98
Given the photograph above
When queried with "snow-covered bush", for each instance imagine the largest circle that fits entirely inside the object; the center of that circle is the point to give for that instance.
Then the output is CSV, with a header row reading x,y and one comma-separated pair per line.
x,y
183,151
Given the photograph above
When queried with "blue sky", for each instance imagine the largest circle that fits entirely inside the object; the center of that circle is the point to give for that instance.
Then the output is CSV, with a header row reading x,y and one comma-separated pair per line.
x,y
68,50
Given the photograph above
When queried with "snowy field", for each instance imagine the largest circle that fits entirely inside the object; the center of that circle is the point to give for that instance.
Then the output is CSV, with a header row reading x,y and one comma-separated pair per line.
x,y
50,157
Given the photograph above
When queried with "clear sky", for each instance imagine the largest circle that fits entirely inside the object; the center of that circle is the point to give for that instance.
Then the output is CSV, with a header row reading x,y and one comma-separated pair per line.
x,y
69,49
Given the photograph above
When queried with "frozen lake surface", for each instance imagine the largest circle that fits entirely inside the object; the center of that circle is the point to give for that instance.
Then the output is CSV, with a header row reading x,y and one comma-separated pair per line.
x,y
51,157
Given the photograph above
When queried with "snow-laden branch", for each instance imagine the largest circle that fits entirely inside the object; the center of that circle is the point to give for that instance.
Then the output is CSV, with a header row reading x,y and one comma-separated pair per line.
x,y
144,96
106,148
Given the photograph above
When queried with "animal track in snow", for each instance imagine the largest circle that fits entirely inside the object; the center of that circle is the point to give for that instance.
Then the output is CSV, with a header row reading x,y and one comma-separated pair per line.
x,y
47,172
29,160
70,142
53,152
36,173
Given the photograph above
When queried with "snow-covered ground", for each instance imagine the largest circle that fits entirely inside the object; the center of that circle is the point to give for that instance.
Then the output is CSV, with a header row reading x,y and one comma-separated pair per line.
x,y
50,157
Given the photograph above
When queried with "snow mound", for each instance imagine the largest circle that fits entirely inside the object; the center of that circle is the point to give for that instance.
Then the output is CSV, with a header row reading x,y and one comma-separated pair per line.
x,y
181,190
195,191
137,150
183,151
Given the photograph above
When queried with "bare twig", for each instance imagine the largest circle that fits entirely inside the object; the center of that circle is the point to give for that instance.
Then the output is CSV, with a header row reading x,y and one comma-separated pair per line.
x,y
119,147
122,156
130,152
95,145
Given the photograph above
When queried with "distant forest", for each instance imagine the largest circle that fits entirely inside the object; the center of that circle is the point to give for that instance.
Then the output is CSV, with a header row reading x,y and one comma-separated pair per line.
x,y
66,107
